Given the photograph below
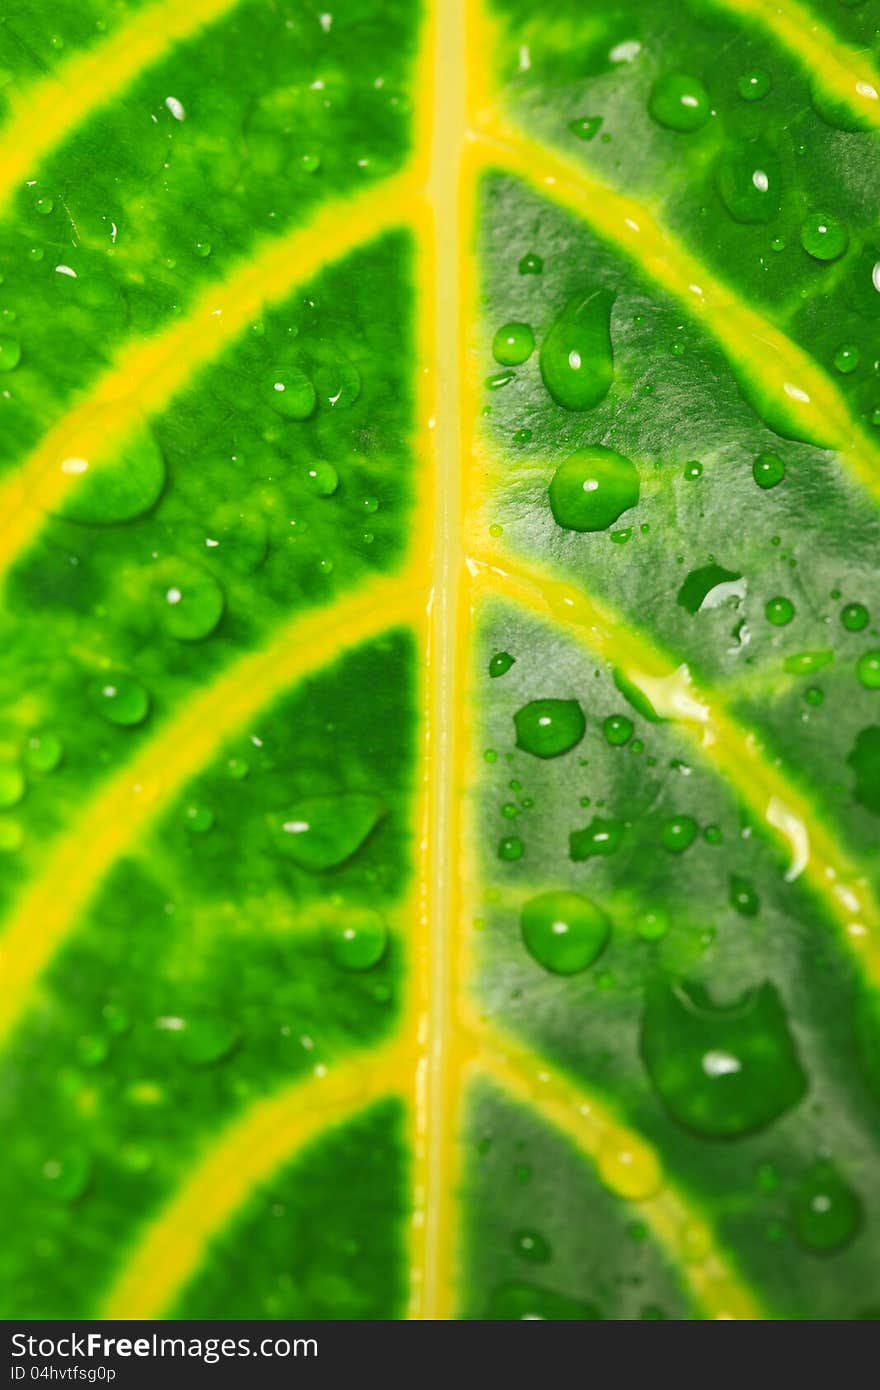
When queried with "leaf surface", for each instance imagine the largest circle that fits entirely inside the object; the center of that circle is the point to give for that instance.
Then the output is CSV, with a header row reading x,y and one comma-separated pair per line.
x,y
439,748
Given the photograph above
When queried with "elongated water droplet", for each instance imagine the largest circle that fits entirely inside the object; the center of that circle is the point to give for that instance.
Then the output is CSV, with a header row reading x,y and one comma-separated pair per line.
x,y
721,1071
599,837
547,728
500,664
320,832
749,181
576,358
565,932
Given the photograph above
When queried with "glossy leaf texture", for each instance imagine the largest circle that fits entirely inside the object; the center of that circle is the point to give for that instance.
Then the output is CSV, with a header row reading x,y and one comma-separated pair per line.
x,y
440,741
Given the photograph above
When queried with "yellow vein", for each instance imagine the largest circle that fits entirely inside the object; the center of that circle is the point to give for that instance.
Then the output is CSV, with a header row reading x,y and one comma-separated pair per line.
x,y
118,814
146,374
47,109
629,1167
842,72
269,1133
443,133
813,850
783,382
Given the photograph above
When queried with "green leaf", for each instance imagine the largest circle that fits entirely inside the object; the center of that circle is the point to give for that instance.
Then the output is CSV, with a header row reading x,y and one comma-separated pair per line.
x,y
438,734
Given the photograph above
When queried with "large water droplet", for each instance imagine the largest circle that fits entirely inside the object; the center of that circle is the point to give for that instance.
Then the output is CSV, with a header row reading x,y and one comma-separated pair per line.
x,y
576,358
721,1071
322,831
592,489
565,932
547,728
679,102
112,484
749,181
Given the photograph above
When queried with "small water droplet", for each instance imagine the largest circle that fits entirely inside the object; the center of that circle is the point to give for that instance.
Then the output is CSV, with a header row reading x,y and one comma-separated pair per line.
x,y
824,237
754,85
854,617
12,784
322,479
43,751
847,358
628,1167
564,932
768,470
749,181
358,941
321,832
547,728
532,1246
868,670
600,837
679,102
618,729
779,611
530,264
826,1212
120,699
10,353
513,344
743,897
188,600
678,834
592,489
293,395
198,818
586,127
510,848
500,664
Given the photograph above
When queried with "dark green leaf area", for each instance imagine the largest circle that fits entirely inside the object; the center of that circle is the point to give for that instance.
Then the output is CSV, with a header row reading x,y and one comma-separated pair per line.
x,y
543,1237
208,972
325,1237
238,544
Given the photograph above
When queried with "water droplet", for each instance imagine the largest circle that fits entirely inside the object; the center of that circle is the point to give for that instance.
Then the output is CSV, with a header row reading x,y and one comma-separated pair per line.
x,y
310,163
576,358
749,181
338,386
188,600
586,127
370,504
12,784
500,664
203,249
823,236
854,617
499,379
679,102
628,1167
206,1038
547,728
293,395
117,485
10,353
707,587
525,1303
826,1212
531,264
868,670
592,489
198,818
743,897
779,611
120,699
65,1174
513,344
322,479
693,470
323,831
532,1246
43,752
599,837
565,932
653,925
768,470
359,941
678,834
754,85
847,358
510,848
618,729
721,1071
